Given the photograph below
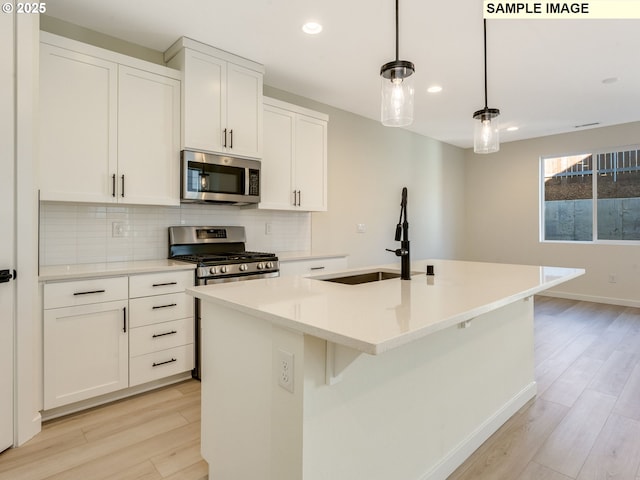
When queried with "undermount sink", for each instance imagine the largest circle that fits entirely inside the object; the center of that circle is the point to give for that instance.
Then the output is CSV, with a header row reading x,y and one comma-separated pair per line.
x,y
365,277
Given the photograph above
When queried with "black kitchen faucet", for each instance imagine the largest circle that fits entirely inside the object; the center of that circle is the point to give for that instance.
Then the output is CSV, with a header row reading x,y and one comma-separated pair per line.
x,y
402,236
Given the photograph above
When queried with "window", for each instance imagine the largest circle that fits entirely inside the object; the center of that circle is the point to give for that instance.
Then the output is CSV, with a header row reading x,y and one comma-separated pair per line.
x,y
594,196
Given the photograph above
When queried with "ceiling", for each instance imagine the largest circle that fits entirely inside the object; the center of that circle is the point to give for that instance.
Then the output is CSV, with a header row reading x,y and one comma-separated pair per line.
x,y
545,76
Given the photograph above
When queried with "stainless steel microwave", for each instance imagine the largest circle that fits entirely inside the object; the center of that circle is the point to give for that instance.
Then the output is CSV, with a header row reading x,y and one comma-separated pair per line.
x,y
207,177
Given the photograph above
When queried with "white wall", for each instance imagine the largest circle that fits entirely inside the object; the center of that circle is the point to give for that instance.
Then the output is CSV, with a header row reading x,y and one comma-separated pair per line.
x,y
502,216
368,166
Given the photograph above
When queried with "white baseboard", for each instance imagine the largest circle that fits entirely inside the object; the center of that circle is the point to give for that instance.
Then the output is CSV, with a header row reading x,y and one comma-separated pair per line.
x,y
591,298
111,397
459,454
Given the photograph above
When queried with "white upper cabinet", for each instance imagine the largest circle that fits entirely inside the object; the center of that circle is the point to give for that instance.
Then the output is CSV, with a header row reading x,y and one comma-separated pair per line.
x,y
294,163
78,125
109,126
277,163
221,99
148,137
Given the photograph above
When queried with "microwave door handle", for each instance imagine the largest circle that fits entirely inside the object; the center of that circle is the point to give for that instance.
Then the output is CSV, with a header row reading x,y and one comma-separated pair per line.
x,y
246,181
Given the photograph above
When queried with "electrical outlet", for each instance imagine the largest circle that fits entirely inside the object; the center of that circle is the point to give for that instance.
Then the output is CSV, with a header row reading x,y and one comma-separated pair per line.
x,y
361,228
118,229
285,370
267,228
612,278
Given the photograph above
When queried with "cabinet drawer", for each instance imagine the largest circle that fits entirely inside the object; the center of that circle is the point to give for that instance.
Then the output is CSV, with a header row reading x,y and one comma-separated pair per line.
x,y
84,292
160,283
161,336
146,368
312,267
160,308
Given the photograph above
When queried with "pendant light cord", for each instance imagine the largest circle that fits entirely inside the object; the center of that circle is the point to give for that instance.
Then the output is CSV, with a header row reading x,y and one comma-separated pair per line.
x,y
485,64
397,48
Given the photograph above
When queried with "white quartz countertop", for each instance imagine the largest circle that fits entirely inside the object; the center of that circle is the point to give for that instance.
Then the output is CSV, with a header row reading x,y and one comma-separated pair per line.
x,y
306,255
87,270
378,316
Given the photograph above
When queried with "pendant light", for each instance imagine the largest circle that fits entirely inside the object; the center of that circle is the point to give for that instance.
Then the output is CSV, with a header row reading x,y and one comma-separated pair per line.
x,y
397,90
486,138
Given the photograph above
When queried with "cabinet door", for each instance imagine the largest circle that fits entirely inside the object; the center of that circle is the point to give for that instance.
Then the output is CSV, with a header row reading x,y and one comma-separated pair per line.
x,y
148,138
204,108
78,126
310,168
85,352
244,111
276,180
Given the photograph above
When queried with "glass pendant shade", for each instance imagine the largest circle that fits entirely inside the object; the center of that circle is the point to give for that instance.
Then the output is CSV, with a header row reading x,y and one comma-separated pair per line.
x,y
486,136
397,93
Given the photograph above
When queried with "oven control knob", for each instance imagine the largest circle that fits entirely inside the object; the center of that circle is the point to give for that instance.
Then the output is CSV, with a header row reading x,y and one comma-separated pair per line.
x,y
243,267
269,264
213,270
223,269
260,266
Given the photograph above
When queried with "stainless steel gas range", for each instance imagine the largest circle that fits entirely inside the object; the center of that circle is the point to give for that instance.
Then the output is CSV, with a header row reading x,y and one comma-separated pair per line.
x,y
220,256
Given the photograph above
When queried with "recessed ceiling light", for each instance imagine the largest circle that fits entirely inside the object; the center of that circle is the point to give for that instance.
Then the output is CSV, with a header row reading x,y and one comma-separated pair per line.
x,y
312,28
512,129
434,89
610,80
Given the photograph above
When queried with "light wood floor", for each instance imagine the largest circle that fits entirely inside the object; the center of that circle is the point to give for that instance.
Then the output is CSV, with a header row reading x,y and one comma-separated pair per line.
x,y
584,423
149,437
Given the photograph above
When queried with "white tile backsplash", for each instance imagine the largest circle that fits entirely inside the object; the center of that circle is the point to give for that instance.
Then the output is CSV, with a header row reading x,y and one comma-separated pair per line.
x,y
83,233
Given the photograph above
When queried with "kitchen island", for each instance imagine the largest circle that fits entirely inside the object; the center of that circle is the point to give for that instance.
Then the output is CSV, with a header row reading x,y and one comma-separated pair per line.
x,y
308,379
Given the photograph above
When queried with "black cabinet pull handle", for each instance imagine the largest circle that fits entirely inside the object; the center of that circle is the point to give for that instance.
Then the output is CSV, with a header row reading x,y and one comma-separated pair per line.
x,y
164,284
164,306
122,185
163,363
172,332
317,268
124,319
231,136
89,292
225,138
299,198
113,185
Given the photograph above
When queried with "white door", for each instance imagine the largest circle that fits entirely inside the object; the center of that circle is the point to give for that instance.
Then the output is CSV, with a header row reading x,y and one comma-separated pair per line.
x,y
7,237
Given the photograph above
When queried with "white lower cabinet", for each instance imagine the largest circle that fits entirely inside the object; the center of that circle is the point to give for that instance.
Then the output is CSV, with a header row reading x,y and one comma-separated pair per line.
x,y
107,334
162,326
163,363
85,345
317,266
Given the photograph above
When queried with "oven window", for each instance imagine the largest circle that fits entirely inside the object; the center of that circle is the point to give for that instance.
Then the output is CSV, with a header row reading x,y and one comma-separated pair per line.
x,y
203,177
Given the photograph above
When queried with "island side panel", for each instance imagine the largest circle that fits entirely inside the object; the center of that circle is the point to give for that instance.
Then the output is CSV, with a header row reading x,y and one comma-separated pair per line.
x,y
418,411
251,427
